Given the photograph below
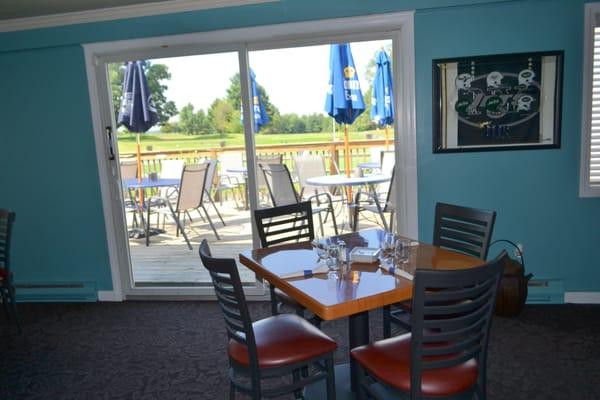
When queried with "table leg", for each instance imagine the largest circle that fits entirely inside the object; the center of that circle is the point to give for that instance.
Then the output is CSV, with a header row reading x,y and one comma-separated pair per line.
x,y
378,205
358,325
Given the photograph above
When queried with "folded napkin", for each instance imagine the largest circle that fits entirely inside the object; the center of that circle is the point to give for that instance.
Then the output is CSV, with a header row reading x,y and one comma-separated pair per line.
x,y
321,268
398,272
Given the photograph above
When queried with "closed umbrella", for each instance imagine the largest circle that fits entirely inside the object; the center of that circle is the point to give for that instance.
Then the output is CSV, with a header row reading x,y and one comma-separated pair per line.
x,y
382,105
137,112
260,113
344,101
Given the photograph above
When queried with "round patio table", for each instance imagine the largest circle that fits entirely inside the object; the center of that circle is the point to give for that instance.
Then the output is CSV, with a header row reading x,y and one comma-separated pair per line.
x,y
347,181
369,165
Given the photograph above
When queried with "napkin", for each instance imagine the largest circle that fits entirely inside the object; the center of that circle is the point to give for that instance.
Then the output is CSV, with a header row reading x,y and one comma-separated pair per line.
x,y
321,268
398,272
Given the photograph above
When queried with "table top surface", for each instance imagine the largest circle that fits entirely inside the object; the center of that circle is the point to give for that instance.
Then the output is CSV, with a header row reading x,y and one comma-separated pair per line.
x,y
370,165
366,287
238,170
343,180
148,183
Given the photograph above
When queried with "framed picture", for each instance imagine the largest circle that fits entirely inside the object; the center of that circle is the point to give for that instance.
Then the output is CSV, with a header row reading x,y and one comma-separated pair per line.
x,y
499,102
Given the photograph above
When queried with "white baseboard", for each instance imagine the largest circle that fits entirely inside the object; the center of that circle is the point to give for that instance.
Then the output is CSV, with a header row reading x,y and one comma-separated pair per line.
x,y
109,295
582,297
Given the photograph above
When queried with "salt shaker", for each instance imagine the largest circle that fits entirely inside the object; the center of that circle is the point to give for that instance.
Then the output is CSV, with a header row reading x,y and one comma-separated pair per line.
x,y
343,251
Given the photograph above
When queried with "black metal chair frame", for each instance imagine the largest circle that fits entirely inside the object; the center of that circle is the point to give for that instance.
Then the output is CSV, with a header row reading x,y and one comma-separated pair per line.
x,y
462,229
7,288
232,301
267,169
370,197
268,223
452,314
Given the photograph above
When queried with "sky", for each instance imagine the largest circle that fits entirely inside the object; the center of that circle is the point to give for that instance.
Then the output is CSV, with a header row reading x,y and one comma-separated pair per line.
x,y
295,78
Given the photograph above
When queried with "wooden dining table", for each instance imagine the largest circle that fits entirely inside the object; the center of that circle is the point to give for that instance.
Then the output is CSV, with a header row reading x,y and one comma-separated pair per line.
x,y
365,287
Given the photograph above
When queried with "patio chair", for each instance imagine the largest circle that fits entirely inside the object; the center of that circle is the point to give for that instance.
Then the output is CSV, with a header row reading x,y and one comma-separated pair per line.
x,y
128,170
282,191
389,206
261,184
308,166
191,197
233,181
7,289
275,356
170,169
208,185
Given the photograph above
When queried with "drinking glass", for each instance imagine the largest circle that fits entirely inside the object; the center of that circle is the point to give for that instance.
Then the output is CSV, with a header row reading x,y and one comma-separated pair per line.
x,y
333,259
389,241
402,250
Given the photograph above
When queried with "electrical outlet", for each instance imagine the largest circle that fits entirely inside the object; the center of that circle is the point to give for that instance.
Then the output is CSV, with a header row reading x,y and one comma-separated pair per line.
x,y
520,246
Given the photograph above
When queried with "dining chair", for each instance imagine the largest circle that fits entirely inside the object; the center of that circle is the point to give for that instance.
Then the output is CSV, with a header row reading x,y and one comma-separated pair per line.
x,y
261,184
7,288
128,169
279,346
282,191
445,354
190,197
209,183
365,201
170,169
233,181
285,224
462,229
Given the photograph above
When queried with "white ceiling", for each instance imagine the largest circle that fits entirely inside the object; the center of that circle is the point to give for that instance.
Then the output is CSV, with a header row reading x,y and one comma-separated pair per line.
x,y
12,9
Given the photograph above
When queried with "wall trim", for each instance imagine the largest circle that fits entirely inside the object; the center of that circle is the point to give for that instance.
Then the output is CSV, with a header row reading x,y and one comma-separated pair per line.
x,y
122,12
582,297
109,295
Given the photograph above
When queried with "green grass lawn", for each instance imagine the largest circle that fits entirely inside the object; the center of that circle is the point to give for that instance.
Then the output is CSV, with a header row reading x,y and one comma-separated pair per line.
x,y
172,141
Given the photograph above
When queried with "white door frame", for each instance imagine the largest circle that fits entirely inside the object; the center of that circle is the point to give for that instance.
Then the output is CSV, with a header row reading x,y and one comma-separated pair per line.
x,y
397,26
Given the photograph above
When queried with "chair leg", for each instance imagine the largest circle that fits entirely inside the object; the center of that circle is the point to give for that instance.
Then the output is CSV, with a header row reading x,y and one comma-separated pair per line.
x,y
332,211
210,222
321,224
179,227
274,309
330,378
387,324
215,207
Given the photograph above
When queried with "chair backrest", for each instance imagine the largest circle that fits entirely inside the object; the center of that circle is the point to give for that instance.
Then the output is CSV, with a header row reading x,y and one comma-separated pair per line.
x,y
270,159
280,185
375,153
388,160
129,170
463,229
309,166
232,301
390,201
452,312
7,218
210,174
229,160
285,224
171,169
191,189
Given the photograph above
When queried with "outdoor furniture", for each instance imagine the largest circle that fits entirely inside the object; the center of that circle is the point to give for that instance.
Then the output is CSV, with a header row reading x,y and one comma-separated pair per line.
x,y
278,346
209,182
282,191
170,169
261,184
348,181
191,197
232,176
285,224
371,206
7,288
366,287
444,357
308,166
128,171
461,229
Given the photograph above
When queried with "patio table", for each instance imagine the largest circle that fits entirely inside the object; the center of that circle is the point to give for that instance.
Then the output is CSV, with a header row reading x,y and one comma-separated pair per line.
x,y
347,181
147,183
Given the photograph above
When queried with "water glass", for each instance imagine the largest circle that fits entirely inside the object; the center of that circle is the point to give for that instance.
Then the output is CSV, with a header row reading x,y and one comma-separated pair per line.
x,y
389,241
402,250
333,259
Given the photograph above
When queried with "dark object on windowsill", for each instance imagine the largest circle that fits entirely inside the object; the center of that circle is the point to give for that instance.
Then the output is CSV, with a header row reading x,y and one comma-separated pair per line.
x,y
513,286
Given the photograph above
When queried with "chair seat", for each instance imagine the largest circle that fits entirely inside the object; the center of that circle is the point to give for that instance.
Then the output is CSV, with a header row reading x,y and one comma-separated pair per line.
x,y
389,361
282,340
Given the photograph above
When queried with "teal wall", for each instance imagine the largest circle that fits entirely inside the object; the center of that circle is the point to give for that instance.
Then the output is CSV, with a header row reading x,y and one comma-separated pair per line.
x,y
48,171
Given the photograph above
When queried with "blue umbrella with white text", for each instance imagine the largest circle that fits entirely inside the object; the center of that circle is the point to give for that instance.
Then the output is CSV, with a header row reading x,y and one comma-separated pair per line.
x,y
382,104
258,107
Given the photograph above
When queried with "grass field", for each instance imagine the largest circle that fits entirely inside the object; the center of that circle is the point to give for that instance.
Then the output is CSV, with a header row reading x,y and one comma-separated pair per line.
x,y
172,141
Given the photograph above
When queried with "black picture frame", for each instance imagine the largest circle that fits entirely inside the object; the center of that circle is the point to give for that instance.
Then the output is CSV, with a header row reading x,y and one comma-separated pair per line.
x,y
498,102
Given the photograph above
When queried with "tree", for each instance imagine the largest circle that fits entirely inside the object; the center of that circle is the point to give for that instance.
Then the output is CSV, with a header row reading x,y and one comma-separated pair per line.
x,y
191,122
156,74
221,117
234,96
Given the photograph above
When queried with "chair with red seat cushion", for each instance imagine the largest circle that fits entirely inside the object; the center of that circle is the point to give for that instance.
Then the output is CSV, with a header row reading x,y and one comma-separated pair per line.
x,y
462,229
444,356
7,289
279,346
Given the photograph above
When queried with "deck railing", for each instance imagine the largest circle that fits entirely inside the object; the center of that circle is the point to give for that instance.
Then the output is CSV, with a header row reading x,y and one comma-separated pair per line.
x,y
360,151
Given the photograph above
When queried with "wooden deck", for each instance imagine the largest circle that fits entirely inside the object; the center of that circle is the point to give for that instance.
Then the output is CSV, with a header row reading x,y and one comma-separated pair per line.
x,y
169,262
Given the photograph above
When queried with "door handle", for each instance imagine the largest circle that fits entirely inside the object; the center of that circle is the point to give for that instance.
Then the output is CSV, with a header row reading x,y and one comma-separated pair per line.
x,y
111,153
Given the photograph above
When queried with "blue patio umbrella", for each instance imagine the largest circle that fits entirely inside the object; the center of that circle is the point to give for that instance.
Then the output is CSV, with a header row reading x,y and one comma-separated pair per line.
x,y
137,112
382,104
344,101
260,113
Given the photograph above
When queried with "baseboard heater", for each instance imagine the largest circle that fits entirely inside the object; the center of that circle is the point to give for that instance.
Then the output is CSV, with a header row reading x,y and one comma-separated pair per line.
x,y
546,291
56,292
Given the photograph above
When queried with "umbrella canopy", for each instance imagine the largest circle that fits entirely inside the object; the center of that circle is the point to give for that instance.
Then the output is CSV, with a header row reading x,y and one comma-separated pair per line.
x,y
382,106
137,112
260,113
344,101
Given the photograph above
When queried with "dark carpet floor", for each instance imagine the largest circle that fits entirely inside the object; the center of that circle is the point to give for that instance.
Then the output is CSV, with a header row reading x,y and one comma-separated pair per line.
x,y
176,350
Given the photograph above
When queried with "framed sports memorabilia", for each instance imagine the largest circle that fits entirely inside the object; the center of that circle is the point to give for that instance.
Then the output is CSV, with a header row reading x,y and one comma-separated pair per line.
x,y
499,102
